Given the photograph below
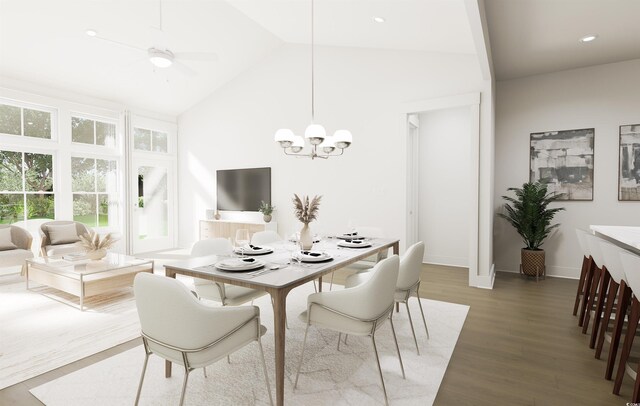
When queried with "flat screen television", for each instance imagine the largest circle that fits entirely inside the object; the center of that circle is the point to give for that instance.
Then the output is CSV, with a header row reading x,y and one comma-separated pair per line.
x,y
243,189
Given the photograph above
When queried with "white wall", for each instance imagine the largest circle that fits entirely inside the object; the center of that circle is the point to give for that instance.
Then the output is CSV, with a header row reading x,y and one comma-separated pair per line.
x,y
357,89
444,185
603,97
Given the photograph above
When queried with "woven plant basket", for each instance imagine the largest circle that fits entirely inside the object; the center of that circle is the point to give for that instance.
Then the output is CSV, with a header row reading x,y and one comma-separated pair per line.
x,y
532,262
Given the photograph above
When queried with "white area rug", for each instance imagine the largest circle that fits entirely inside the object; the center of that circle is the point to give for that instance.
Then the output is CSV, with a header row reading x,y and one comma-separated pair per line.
x,y
330,377
43,329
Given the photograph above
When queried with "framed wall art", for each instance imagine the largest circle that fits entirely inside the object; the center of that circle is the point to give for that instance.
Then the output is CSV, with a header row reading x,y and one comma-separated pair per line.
x,y
564,159
629,163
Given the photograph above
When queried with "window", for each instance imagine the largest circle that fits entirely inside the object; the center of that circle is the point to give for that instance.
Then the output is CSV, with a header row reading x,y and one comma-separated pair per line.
x,y
88,131
149,140
94,186
15,120
26,186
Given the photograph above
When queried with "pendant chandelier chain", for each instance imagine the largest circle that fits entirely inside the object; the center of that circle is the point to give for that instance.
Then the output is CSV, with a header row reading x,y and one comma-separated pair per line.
x,y
313,96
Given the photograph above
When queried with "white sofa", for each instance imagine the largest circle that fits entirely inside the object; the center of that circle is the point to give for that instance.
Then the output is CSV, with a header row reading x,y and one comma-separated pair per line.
x,y
18,249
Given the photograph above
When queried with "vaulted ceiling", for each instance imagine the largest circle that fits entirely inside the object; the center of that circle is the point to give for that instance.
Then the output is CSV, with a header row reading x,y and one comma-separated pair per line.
x,y
44,41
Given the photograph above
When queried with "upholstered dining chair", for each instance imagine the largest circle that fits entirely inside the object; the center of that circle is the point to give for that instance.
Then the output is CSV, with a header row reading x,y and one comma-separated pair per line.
x,y
60,237
176,326
360,310
408,283
220,292
265,237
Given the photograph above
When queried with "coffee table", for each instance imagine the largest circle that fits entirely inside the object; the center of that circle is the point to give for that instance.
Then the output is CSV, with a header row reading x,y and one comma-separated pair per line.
x,y
84,278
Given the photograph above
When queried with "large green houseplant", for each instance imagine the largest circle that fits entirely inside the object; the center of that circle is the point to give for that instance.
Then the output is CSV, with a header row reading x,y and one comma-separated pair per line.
x,y
529,214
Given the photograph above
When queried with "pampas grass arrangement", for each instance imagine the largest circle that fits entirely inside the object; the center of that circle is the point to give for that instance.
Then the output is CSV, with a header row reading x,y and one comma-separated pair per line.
x,y
306,211
93,242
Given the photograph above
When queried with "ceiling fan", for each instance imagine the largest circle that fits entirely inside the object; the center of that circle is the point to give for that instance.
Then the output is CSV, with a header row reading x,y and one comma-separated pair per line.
x,y
159,55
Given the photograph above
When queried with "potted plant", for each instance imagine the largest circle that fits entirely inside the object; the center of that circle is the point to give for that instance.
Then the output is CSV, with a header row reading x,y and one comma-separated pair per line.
x,y
306,211
529,214
266,209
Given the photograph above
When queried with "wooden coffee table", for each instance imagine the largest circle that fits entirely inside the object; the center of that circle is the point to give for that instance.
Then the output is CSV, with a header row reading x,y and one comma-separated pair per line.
x,y
84,278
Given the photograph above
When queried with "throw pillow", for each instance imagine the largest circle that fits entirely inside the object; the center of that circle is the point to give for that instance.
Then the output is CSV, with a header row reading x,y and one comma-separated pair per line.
x,y
62,234
5,239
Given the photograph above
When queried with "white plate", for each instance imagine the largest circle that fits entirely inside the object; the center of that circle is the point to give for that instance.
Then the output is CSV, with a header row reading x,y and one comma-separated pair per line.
x,y
313,256
354,244
253,251
350,237
239,264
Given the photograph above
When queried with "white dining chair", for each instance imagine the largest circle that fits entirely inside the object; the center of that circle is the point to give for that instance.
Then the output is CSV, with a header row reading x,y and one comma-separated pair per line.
x,y
360,310
176,326
265,237
366,263
408,283
228,295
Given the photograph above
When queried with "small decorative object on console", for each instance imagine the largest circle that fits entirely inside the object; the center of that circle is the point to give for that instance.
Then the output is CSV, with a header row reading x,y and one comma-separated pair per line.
x,y
306,211
266,209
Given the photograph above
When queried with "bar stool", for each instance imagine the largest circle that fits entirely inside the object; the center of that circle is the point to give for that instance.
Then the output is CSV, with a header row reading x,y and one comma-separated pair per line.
x,y
617,286
603,284
583,272
588,275
631,265
593,281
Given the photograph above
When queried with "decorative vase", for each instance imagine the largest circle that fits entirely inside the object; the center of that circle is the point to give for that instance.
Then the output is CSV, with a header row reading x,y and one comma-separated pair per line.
x,y
96,254
267,218
217,215
532,262
306,239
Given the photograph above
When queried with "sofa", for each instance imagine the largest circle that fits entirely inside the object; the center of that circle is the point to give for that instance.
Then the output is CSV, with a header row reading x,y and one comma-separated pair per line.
x,y
61,238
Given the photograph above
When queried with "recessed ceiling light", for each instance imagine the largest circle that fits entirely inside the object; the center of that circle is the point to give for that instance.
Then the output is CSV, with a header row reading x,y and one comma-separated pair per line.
x,y
588,38
91,33
379,19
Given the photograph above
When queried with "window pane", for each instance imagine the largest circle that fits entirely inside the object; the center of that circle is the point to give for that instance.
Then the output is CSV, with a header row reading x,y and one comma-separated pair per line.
x,y
103,210
11,208
106,176
82,130
83,175
40,206
38,172
84,209
142,139
10,120
159,141
11,171
105,134
37,123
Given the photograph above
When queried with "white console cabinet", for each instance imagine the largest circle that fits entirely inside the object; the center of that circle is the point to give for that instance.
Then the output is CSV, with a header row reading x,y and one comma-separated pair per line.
x,y
227,229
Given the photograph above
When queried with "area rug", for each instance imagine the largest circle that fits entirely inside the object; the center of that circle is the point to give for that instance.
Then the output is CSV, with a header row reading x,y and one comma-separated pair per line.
x,y
329,377
43,329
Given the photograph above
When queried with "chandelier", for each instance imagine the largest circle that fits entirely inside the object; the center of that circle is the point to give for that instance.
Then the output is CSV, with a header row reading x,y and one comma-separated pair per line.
x,y
322,146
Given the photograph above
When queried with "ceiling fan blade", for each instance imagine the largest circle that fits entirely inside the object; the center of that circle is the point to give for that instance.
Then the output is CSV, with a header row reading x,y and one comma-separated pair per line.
x,y
120,43
197,56
182,68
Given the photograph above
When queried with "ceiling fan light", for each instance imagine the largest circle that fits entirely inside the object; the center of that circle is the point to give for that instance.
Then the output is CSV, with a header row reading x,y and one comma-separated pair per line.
x,y
315,133
285,137
298,144
342,138
159,58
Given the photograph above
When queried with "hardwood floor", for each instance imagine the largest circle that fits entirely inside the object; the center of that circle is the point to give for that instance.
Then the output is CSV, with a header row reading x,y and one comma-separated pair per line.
x,y
520,345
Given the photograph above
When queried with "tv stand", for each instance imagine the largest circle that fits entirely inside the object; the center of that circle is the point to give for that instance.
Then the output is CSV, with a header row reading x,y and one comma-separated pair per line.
x,y
228,228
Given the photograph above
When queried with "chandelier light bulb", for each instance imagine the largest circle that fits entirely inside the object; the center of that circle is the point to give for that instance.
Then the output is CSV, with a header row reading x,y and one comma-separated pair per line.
x,y
327,145
298,144
285,137
315,133
342,138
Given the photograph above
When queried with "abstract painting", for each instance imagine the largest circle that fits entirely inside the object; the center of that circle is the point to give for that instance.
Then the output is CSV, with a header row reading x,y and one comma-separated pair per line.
x,y
564,160
629,175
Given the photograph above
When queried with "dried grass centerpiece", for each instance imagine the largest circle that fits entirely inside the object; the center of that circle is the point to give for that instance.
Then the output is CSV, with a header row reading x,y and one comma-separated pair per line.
x,y
97,247
306,211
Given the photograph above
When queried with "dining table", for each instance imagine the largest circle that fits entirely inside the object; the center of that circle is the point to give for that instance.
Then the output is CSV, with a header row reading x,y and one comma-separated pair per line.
x,y
278,277
627,237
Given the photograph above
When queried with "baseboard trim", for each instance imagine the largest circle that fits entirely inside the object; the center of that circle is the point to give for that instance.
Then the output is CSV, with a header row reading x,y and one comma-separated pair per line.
x,y
446,261
486,281
553,272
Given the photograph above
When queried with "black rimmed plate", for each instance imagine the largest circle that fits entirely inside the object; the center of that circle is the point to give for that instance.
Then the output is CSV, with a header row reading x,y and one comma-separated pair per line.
x,y
351,243
254,250
313,256
239,264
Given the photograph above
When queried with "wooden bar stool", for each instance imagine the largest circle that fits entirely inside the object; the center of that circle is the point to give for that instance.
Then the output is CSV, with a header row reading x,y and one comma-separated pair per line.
x,y
631,265
583,272
594,282
617,287
603,286
588,277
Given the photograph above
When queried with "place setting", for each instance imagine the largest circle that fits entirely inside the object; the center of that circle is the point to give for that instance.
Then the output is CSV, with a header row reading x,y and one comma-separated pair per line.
x,y
354,243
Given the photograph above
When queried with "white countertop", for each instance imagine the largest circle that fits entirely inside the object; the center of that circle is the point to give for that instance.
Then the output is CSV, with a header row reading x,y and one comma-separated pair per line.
x,y
627,237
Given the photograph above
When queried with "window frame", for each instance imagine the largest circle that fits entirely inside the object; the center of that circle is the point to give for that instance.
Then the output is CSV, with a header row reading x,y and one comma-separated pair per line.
x,y
118,187
53,112
95,118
